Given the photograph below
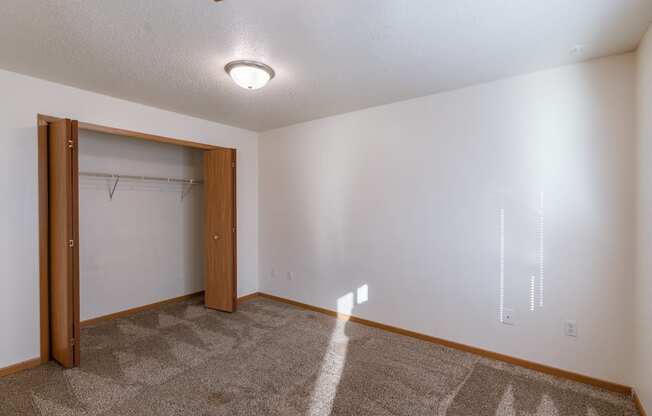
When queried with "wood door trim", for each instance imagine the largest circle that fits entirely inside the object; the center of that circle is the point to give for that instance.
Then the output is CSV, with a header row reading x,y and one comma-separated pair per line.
x,y
43,118
74,174
606,385
44,238
131,134
234,158
145,136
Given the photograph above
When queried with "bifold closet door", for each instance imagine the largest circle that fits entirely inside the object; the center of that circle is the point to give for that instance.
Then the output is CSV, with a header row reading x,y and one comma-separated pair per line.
x,y
219,229
64,247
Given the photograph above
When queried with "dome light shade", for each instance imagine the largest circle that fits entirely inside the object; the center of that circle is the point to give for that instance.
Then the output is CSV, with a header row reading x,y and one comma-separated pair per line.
x,y
250,75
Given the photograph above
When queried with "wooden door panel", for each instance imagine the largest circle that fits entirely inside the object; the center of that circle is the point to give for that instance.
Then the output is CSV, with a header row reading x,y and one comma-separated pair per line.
x,y
64,295
219,229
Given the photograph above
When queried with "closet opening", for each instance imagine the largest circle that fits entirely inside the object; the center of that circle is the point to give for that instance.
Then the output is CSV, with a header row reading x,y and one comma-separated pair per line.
x,y
128,220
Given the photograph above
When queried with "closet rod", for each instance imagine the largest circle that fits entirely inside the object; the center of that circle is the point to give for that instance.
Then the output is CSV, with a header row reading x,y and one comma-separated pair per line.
x,y
144,178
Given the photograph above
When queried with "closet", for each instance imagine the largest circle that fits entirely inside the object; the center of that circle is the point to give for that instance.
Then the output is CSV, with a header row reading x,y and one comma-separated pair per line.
x,y
157,216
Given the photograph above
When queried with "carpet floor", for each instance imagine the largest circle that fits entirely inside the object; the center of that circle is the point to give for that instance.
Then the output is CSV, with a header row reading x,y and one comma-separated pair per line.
x,y
270,358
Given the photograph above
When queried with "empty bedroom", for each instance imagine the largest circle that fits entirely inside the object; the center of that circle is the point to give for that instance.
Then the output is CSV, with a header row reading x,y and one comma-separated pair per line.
x,y
314,208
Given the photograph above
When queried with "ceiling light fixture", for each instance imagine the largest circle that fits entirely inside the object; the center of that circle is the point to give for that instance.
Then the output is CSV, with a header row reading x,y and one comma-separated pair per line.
x,y
250,75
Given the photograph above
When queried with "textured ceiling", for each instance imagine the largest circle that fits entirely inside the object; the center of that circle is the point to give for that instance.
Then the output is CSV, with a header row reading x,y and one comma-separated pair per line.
x,y
330,56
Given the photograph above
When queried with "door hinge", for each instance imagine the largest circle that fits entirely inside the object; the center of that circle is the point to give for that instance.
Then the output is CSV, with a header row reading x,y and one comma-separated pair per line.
x,y
233,164
71,243
72,342
233,229
70,143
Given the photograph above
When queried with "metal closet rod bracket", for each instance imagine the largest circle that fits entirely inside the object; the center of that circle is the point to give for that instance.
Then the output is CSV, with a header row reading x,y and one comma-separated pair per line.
x,y
115,184
186,189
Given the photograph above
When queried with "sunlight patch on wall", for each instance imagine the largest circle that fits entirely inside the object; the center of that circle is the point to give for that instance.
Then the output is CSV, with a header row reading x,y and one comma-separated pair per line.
x,y
363,294
532,292
345,304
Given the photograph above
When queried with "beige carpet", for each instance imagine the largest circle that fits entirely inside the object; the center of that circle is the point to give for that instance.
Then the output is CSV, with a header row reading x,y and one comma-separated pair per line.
x,y
273,359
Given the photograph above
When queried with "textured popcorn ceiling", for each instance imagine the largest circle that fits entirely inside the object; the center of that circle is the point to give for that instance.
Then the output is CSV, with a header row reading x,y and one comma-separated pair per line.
x,y
330,56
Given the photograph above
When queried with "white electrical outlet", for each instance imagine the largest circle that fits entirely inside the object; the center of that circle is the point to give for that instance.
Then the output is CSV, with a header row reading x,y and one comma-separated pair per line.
x,y
570,328
290,275
508,316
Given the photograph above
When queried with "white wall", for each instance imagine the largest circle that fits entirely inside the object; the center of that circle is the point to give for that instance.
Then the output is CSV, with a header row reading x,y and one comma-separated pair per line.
x,y
23,98
643,286
146,243
407,199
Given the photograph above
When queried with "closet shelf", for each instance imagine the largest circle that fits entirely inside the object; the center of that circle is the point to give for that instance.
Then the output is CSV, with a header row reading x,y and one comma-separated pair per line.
x,y
187,182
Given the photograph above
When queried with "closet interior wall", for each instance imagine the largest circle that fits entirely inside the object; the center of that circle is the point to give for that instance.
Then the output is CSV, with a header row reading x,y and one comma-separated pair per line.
x,y
144,243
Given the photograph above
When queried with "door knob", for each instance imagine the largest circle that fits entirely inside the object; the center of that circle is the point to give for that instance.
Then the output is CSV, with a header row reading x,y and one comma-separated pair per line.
x,y
216,237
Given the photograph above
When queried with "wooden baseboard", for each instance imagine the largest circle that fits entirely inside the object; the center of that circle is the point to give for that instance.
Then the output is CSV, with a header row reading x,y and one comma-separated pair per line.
x,y
25,365
639,405
132,311
35,362
607,385
247,298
